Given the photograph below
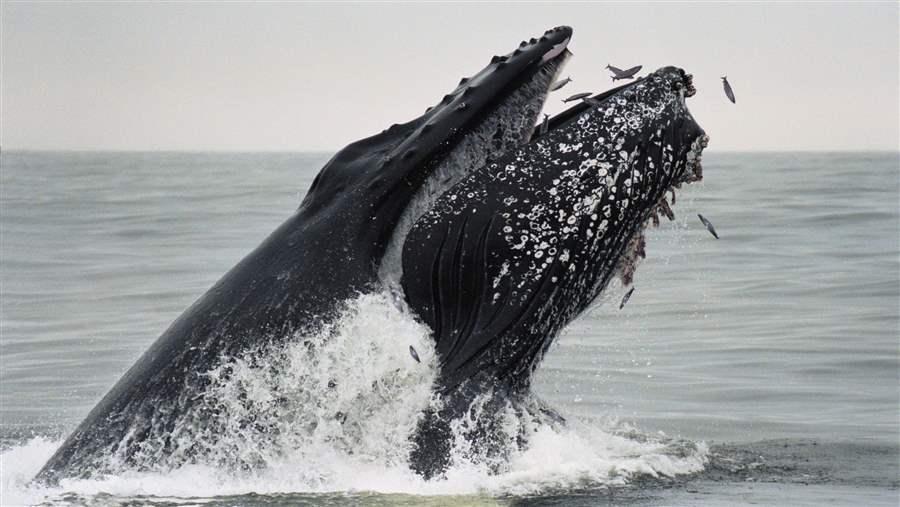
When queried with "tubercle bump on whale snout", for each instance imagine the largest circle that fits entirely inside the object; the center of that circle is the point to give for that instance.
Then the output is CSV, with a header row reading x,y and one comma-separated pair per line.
x,y
684,82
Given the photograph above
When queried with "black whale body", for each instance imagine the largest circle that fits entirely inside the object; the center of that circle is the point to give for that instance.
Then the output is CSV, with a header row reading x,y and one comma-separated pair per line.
x,y
517,249
339,243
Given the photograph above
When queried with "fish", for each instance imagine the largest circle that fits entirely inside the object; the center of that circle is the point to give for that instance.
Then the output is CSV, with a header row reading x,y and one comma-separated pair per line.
x,y
624,74
559,84
626,298
577,96
414,354
728,91
709,225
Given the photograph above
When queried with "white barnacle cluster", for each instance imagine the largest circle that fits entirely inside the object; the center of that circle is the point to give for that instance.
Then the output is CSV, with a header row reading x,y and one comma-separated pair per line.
x,y
570,206
580,202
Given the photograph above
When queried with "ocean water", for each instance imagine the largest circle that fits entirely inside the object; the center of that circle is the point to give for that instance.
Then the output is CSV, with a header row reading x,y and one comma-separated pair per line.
x,y
760,368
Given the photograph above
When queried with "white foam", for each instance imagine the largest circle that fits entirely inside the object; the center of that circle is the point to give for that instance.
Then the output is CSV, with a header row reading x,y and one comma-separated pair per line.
x,y
381,391
18,465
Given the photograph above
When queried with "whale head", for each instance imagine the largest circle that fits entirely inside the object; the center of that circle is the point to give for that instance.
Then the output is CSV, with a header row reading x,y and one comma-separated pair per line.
x,y
508,256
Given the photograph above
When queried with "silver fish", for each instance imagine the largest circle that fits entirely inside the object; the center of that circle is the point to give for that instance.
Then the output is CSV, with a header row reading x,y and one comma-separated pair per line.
x,y
577,96
624,74
626,298
728,91
559,84
709,225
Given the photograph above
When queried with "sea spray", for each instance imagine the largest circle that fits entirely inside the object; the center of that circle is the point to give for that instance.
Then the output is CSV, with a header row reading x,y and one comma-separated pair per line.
x,y
349,393
334,412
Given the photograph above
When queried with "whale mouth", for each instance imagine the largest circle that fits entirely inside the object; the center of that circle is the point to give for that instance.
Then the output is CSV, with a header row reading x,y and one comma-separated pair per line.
x,y
636,249
512,123
508,257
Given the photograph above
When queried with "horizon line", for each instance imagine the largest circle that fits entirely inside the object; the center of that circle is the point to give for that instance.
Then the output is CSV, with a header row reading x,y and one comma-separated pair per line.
x,y
327,150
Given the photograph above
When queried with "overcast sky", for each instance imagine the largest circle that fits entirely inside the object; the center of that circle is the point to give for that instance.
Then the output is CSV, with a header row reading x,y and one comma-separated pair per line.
x,y
290,76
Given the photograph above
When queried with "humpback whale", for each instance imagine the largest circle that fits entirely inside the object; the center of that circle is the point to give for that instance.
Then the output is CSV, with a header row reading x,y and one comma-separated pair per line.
x,y
492,233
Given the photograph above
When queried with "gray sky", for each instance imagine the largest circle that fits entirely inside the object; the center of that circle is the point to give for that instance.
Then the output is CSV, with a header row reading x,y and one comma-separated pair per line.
x,y
291,76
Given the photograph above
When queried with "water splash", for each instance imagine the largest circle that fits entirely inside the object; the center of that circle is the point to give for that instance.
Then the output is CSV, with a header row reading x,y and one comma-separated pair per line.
x,y
334,413
318,398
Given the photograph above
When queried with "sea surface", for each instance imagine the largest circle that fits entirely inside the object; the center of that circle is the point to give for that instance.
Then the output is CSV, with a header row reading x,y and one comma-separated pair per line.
x,y
759,368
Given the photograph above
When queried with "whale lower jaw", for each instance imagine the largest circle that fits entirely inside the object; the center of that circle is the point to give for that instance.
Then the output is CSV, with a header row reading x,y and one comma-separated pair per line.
x,y
509,125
